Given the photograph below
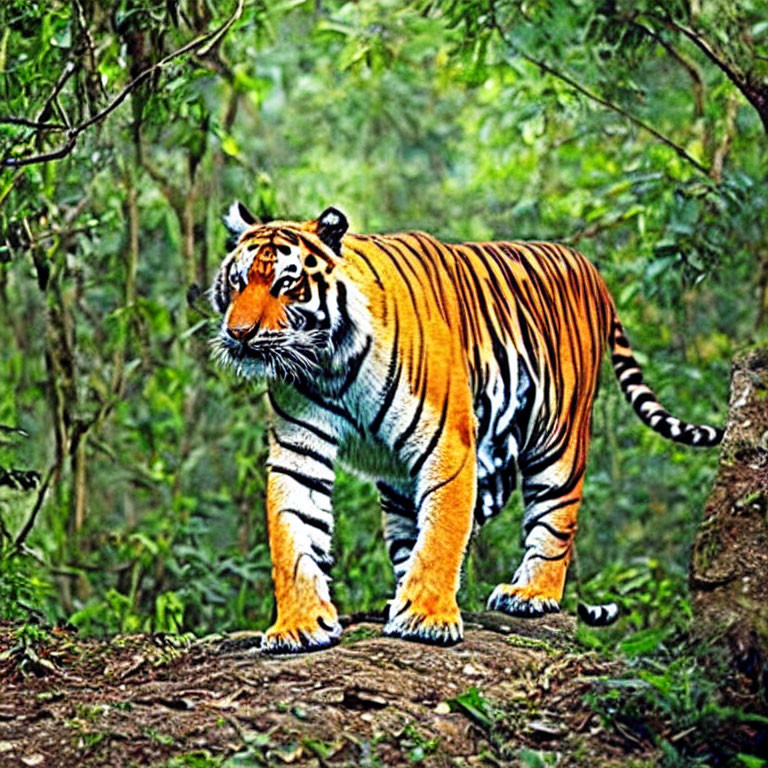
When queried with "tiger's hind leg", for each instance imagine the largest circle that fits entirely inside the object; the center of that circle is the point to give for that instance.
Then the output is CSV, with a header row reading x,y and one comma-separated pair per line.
x,y
552,498
400,526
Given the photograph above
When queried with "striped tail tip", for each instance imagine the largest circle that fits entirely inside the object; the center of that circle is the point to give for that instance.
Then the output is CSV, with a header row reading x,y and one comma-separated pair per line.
x,y
598,615
645,403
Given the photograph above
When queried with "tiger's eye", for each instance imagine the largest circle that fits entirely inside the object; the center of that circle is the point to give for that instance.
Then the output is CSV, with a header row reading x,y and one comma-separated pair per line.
x,y
310,261
284,249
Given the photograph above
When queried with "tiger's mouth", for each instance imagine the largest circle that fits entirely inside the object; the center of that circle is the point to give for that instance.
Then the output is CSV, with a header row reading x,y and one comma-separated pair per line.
x,y
280,355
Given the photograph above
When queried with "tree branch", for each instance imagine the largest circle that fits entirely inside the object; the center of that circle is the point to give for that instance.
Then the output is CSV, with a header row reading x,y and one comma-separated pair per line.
x,y
685,62
728,68
755,94
200,45
38,126
41,492
725,144
44,157
544,67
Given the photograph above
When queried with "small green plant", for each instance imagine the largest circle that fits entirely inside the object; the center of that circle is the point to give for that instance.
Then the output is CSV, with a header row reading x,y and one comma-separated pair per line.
x,y
472,704
531,758
416,743
200,759
162,739
357,634
24,590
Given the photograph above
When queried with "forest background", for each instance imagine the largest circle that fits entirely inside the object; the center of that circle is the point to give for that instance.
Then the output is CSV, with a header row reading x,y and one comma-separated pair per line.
x,y
133,469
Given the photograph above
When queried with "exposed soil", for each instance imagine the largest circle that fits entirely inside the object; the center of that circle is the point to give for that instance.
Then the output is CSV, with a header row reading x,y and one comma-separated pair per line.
x,y
522,695
152,700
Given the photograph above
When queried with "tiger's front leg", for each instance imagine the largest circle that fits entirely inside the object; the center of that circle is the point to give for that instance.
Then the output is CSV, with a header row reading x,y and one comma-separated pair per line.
x,y
299,516
425,607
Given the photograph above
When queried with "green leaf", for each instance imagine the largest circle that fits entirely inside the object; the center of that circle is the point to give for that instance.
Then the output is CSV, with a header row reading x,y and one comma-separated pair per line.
x,y
643,642
750,761
472,704
229,145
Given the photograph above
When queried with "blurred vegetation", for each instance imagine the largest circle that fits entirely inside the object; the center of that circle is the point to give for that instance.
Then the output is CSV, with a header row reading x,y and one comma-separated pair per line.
x,y
608,126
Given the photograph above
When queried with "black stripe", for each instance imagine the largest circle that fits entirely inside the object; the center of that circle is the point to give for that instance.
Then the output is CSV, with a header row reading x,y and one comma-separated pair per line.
x,y
321,525
313,249
368,264
529,524
562,535
289,235
343,329
444,482
355,364
315,398
323,562
396,263
395,501
391,383
324,624
321,486
293,420
430,268
641,400
539,556
433,441
302,451
633,380
398,544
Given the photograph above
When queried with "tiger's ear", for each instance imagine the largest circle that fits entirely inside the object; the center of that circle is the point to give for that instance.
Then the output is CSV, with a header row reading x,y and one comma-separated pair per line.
x,y
239,218
332,224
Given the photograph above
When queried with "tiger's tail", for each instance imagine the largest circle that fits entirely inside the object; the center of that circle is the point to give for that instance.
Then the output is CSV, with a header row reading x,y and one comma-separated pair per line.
x,y
644,401
653,414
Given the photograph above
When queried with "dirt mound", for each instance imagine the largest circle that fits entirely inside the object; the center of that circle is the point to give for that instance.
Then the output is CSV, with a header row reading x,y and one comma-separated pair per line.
x,y
515,695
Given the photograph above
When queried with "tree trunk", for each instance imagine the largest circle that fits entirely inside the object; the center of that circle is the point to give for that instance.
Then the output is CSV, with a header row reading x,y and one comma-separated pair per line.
x,y
729,568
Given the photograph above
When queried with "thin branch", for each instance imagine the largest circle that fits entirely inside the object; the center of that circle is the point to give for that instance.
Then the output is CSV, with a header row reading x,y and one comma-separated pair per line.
x,y
756,94
56,154
680,151
730,71
544,67
684,61
592,230
68,71
200,45
4,532
38,126
722,150
206,49
90,45
41,493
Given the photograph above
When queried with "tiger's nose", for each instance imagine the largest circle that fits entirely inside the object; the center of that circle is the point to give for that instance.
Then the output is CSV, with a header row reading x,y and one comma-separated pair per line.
x,y
243,332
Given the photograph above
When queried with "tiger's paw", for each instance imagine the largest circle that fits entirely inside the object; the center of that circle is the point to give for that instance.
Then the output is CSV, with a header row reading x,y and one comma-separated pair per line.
x,y
440,628
523,602
312,636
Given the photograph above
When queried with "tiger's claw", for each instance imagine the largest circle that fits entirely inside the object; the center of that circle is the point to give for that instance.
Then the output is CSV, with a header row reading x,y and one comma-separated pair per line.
x,y
301,639
517,601
433,629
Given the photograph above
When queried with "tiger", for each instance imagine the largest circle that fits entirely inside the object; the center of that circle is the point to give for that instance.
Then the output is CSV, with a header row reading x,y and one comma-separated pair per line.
x,y
439,371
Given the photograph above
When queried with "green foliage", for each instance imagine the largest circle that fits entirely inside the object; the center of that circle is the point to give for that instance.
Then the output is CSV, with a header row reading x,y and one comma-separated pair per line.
x,y
24,590
679,691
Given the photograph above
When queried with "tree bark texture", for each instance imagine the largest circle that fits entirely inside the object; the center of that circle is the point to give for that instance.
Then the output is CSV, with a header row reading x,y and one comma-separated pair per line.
x,y
729,567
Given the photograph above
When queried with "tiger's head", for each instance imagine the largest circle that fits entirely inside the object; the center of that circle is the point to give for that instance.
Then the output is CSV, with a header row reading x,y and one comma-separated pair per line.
x,y
273,290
